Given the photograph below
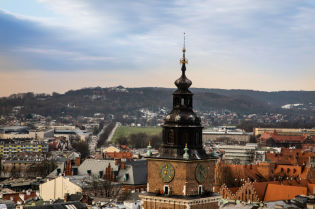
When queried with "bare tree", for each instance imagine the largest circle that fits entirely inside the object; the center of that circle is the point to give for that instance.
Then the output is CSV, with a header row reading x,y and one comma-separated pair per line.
x,y
101,188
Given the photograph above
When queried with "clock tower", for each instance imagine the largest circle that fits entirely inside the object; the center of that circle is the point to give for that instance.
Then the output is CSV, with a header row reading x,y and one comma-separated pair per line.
x,y
182,175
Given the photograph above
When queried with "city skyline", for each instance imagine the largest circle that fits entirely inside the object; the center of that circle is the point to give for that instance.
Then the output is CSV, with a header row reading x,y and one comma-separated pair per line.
x,y
61,45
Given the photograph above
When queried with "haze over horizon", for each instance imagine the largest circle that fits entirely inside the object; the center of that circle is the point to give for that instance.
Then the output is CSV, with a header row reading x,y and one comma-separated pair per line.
x,y
54,46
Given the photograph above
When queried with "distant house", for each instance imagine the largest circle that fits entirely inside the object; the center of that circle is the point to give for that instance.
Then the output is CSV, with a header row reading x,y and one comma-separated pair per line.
x,y
274,139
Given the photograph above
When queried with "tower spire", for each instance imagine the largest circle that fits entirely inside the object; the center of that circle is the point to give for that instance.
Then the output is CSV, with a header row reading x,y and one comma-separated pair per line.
x,y
183,83
184,60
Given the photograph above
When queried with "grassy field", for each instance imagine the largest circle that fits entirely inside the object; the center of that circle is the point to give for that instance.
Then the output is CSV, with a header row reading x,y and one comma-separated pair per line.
x,y
126,131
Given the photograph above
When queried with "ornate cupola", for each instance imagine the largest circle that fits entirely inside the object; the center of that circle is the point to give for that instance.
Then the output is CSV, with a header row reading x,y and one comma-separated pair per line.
x,y
182,126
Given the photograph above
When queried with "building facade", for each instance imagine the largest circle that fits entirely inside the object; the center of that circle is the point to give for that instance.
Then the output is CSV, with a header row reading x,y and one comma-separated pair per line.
x,y
238,154
58,188
182,175
11,148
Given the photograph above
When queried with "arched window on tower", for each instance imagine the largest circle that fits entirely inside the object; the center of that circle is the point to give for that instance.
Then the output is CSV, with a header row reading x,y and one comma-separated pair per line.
x,y
171,136
177,102
182,102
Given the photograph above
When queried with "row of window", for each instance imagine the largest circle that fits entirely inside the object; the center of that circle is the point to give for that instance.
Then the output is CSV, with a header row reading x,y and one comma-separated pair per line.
x,y
13,146
167,191
22,150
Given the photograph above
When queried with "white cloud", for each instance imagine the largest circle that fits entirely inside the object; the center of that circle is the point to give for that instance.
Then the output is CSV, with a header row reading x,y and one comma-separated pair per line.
x,y
229,35
70,55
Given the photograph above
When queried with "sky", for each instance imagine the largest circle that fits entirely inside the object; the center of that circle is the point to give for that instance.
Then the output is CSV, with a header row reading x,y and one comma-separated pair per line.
x,y
57,45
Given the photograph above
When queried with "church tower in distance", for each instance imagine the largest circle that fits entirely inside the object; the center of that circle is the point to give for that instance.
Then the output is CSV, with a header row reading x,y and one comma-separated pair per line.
x,y
182,176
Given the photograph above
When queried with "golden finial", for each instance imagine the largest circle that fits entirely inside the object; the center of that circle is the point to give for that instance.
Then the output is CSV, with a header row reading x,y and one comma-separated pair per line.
x,y
186,145
184,60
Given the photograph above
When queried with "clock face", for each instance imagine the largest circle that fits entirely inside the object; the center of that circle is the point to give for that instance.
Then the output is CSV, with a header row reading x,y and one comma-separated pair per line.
x,y
167,172
201,173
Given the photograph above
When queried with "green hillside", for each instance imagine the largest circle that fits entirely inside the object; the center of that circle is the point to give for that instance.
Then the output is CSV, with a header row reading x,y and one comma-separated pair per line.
x,y
126,131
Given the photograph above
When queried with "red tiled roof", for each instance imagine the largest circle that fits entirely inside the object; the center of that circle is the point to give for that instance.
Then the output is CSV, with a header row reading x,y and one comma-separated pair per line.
x,y
16,196
277,192
265,136
260,188
233,189
283,138
311,188
119,155
125,147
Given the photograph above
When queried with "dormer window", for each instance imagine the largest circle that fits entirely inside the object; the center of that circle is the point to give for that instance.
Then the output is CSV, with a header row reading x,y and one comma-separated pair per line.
x,y
126,176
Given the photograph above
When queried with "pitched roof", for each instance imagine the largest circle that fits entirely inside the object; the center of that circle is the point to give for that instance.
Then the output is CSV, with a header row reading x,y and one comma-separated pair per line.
x,y
95,166
20,197
277,192
137,173
67,205
260,188
118,155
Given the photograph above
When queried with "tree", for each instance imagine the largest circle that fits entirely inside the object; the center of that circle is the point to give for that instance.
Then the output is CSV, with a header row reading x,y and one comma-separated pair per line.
x,y
101,188
81,147
156,141
139,140
122,140
105,134
16,171
41,169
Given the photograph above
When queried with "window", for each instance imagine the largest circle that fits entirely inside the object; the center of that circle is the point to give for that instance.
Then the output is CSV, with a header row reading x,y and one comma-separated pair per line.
x,y
75,171
182,101
177,102
166,189
126,176
200,190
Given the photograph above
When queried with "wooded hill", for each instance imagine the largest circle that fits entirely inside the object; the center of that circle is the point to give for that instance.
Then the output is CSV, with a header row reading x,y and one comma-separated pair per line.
x,y
120,100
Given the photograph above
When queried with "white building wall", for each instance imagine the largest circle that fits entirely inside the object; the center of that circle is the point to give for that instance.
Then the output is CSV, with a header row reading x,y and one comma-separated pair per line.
x,y
57,188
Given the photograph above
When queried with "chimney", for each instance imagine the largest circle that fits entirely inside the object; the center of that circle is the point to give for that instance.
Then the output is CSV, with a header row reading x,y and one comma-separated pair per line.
x,y
77,161
122,165
66,198
117,161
